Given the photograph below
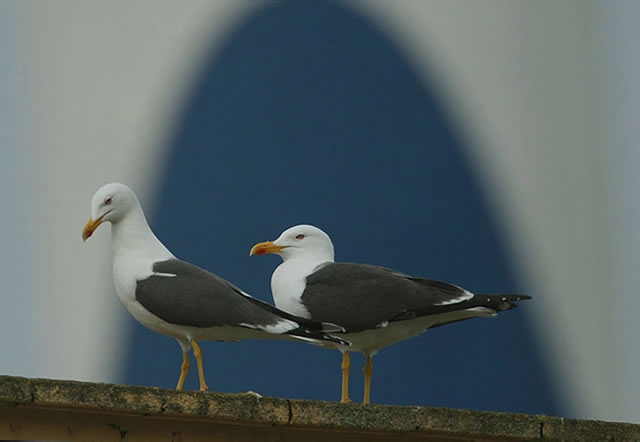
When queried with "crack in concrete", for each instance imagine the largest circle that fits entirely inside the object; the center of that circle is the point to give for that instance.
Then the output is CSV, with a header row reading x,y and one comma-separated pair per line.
x,y
290,412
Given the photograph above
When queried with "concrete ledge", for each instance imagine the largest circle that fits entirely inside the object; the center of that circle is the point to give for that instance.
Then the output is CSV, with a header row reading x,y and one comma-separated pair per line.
x,y
67,410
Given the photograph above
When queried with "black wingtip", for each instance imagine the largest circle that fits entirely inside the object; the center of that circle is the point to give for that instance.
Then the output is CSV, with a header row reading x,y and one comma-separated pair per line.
x,y
503,297
508,298
504,302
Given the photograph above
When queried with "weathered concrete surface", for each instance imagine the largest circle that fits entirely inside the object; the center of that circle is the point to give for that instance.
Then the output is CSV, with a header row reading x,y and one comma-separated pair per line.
x,y
66,410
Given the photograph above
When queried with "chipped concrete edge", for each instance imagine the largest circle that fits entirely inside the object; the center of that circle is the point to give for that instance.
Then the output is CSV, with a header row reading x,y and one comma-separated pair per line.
x,y
254,410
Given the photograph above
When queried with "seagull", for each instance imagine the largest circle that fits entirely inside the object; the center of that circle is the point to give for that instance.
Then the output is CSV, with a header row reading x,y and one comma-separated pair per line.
x,y
376,306
179,299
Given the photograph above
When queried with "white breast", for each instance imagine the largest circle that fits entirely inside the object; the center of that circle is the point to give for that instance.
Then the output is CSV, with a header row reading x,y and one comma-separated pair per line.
x,y
127,270
132,264
288,283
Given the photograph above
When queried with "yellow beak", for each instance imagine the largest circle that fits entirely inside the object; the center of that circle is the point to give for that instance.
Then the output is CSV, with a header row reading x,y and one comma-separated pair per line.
x,y
91,227
265,247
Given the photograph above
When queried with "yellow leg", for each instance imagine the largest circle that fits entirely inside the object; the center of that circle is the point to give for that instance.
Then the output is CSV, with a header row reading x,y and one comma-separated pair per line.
x,y
368,369
184,369
346,365
198,354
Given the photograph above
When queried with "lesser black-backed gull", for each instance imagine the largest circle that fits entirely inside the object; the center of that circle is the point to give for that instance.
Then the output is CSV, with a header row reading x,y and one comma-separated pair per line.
x,y
377,306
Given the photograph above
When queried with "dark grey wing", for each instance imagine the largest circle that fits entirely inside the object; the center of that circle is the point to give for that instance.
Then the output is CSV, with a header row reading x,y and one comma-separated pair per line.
x,y
184,294
360,296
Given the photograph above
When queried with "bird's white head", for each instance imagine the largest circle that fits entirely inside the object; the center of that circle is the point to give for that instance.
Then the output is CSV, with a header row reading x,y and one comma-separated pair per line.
x,y
298,241
109,204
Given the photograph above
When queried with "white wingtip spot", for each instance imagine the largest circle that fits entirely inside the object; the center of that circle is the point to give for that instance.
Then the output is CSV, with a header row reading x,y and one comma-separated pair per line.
x,y
165,275
279,327
464,297
305,339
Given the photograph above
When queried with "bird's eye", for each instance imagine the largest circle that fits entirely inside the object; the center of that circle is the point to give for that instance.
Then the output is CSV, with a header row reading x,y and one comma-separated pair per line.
x,y
299,236
107,201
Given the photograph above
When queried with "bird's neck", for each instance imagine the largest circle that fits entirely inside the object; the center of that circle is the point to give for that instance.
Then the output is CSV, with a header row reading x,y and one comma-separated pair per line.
x,y
289,280
304,265
132,235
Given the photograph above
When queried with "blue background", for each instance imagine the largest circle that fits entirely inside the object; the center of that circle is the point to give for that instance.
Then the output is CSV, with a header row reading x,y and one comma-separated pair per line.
x,y
309,114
